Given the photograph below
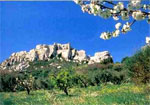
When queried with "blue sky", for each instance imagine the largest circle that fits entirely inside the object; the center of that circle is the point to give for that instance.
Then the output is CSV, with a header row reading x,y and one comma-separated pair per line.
x,y
23,25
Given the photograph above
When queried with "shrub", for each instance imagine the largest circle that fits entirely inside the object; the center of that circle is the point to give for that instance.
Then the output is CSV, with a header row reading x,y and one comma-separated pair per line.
x,y
125,59
139,65
7,81
107,61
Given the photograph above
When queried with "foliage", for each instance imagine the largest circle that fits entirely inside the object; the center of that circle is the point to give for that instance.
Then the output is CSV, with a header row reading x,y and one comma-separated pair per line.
x,y
125,59
65,80
7,81
97,74
70,74
139,65
107,61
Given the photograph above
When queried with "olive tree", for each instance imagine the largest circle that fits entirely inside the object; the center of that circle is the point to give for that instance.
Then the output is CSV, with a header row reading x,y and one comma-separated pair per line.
x,y
131,12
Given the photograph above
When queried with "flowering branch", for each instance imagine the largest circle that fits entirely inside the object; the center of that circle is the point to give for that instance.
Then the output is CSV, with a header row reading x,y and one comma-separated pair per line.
x,y
134,9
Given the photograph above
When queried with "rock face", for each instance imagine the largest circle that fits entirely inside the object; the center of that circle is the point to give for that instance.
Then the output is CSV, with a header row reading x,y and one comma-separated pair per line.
x,y
99,57
81,56
20,60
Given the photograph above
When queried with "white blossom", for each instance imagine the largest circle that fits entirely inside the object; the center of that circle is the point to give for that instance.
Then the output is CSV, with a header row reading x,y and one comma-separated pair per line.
x,y
138,15
113,11
134,10
126,28
115,18
121,5
117,8
135,3
118,25
147,40
78,1
124,15
145,6
85,8
93,9
116,33
105,35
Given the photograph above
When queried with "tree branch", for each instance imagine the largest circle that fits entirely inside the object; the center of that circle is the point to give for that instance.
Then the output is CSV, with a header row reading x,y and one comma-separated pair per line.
x,y
132,22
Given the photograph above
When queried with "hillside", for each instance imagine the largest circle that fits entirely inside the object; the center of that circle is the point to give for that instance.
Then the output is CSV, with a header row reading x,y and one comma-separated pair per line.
x,y
61,82
64,52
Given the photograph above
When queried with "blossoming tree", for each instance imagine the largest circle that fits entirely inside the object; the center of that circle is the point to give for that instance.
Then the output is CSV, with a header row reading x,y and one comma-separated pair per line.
x,y
134,10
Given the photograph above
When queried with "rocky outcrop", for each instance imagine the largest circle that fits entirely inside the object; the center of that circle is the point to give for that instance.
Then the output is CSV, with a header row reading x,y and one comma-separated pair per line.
x,y
99,57
81,56
20,60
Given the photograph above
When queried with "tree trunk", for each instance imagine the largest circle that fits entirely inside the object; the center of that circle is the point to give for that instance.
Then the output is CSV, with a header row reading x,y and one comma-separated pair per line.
x,y
66,91
84,83
28,90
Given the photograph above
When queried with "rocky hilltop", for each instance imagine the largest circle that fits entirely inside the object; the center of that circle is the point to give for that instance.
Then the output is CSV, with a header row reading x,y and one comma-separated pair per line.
x,y
20,60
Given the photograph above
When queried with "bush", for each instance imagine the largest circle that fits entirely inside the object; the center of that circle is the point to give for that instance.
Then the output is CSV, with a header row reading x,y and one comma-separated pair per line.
x,y
49,76
107,61
125,59
7,81
102,73
139,66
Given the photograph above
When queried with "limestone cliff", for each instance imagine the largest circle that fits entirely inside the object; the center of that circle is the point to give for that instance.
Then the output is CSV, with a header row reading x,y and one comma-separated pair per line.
x,y
20,60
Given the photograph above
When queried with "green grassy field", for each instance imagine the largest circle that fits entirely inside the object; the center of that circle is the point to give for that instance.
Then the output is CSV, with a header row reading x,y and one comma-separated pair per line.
x,y
127,94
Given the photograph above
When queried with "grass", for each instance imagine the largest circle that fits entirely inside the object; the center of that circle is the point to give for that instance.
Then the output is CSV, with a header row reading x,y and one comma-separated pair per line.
x,y
126,94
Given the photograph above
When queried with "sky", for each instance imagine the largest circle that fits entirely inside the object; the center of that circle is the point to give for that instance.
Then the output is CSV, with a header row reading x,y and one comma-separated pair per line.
x,y
23,25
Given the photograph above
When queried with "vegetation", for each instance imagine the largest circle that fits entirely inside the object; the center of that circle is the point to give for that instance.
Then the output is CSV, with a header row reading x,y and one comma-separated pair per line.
x,y
64,80
131,10
108,83
25,83
139,66
125,94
